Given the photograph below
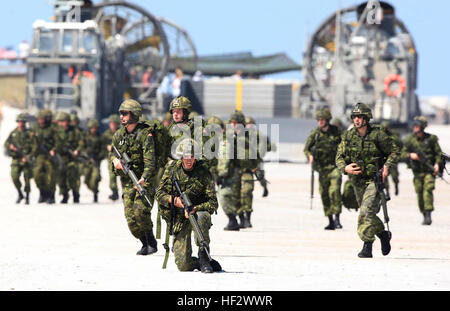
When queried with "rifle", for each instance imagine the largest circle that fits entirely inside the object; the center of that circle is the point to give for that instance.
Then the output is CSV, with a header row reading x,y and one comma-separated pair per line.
x,y
423,160
382,192
313,148
445,158
188,206
125,160
20,152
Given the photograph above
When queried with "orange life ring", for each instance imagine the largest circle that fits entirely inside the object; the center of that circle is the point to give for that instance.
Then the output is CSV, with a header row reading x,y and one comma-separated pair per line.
x,y
394,78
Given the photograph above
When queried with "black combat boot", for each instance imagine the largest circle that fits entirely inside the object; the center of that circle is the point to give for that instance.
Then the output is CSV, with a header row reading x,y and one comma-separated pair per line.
x,y
149,244
337,222
247,223
426,218
331,223
41,196
366,251
95,197
205,265
215,265
76,197
20,197
27,198
385,238
114,196
51,197
266,192
65,198
242,221
232,224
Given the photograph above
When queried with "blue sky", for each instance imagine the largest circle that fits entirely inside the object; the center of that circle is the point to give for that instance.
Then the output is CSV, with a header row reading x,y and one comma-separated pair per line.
x,y
266,27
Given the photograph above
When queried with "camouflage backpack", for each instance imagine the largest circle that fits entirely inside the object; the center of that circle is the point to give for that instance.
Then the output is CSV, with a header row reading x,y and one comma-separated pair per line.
x,y
162,139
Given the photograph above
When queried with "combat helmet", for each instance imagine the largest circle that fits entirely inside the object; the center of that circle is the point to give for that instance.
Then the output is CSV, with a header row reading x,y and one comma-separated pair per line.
x,y
180,102
323,113
74,118
250,120
361,109
132,106
420,121
114,118
62,116
45,113
21,117
237,116
215,120
93,123
188,147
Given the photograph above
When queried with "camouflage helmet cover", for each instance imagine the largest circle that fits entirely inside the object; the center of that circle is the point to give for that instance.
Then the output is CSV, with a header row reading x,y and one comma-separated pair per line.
x,y
323,113
21,117
215,120
114,118
188,147
421,121
45,113
74,117
250,120
131,105
63,116
93,123
361,109
237,116
180,102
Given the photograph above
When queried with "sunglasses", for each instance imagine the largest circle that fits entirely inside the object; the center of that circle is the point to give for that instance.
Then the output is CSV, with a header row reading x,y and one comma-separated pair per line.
x,y
359,116
124,113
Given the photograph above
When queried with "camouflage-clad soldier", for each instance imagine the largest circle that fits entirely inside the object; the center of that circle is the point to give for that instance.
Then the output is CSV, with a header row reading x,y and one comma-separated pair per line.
x,y
196,181
19,146
136,139
235,174
423,154
264,146
320,149
114,123
75,123
45,165
397,140
68,145
94,151
167,119
216,125
362,150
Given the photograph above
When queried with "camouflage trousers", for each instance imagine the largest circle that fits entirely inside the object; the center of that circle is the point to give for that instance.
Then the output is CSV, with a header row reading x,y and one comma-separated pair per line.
x,y
330,191
368,199
69,178
229,193
424,186
394,174
182,246
246,195
92,177
112,177
137,212
44,174
17,169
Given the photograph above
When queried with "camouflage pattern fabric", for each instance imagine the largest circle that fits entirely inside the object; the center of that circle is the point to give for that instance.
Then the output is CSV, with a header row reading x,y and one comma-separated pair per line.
x,y
366,151
348,196
107,140
199,186
23,140
323,147
140,147
95,149
424,180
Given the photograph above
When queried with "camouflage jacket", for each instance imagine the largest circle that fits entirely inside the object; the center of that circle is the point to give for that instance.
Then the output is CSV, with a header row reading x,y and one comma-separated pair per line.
x,y
21,139
238,154
375,148
140,147
67,141
95,147
427,146
323,147
43,139
198,184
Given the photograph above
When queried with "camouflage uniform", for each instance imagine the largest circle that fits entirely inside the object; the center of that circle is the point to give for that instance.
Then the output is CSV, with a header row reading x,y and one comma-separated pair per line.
x,y
95,151
75,122
45,167
107,141
235,176
140,147
394,174
367,151
428,149
322,145
199,186
67,141
21,139
215,122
